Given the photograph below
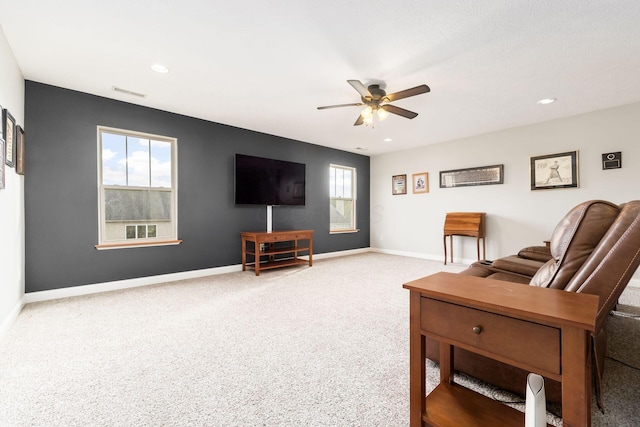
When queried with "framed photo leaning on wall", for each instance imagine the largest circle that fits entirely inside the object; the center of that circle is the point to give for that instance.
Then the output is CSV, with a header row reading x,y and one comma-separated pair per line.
x,y
554,171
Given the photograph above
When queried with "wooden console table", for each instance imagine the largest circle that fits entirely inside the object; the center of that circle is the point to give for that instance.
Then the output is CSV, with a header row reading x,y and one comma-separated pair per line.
x,y
545,331
465,224
279,249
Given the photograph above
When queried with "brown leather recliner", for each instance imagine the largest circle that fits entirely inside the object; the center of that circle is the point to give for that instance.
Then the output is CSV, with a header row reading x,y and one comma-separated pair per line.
x,y
595,249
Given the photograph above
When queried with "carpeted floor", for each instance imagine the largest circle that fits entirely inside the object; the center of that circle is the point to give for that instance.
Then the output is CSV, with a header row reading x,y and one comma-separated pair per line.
x,y
319,346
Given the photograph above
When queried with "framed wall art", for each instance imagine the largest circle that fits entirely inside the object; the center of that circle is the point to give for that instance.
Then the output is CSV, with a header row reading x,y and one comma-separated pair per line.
x,y
1,164
420,182
399,184
8,126
483,175
554,171
2,126
19,150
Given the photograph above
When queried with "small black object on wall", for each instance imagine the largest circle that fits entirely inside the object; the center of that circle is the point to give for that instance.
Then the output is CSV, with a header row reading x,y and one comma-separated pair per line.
x,y
612,160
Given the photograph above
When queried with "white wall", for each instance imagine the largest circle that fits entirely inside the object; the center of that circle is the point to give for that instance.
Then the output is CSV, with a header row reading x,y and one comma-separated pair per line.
x,y
12,197
412,224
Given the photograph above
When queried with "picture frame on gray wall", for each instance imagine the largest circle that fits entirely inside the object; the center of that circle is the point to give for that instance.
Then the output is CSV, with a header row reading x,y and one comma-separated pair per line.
x,y
2,126
19,150
9,127
1,164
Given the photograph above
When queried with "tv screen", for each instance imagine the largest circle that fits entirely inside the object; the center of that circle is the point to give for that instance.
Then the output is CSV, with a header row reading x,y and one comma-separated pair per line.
x,y
262,181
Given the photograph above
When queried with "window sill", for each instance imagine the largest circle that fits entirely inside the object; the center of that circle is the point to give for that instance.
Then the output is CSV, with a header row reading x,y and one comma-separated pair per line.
x,y
137,244
355,230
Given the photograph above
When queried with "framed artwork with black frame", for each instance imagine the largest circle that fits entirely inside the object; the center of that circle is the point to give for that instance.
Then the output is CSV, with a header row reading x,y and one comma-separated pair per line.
x,y
554,171
9,127
19,150
483,175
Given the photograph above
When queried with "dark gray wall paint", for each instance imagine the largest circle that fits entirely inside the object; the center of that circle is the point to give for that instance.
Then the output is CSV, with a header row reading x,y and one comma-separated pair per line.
x,y
61,200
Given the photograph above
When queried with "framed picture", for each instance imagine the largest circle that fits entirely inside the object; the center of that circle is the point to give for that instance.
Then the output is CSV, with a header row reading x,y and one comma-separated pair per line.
x,y
420,182
8,126
19,150
2,126
399,184
1,164
554,171
483,175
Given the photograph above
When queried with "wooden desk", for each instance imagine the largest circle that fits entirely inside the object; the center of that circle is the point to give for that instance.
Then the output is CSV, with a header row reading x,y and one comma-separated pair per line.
x,y
465,224
275,249
545,331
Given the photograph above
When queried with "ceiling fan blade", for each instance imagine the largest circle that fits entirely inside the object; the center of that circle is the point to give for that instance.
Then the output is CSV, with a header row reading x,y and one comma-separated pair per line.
x,y
359,121
408,92
341,105
399,111
362,90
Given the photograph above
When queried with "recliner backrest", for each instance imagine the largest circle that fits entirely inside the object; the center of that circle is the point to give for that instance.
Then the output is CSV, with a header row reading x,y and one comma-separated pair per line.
x,y
573,241
612,264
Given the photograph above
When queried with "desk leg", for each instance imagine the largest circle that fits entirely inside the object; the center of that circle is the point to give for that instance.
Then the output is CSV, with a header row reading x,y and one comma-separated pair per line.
x,y
310,251
576,377
445,249
417,358
484,248
451,247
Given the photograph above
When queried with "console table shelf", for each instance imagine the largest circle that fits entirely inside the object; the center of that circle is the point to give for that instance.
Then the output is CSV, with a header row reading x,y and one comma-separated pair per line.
x,y
279,249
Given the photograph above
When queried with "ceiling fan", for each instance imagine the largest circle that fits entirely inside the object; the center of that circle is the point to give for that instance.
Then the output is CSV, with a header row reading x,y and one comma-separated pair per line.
x,y
376,100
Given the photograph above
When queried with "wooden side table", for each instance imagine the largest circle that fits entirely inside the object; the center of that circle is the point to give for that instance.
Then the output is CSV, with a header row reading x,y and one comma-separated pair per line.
x,y
471,224
545,331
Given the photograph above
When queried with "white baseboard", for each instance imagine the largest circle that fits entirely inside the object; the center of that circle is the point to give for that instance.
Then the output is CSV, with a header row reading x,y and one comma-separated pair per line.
x,y
339,253
634,282
163,278
423,256
152,280
125,284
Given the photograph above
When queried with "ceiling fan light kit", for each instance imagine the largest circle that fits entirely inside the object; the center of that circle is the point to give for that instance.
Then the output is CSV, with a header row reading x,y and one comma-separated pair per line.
x,y
376,99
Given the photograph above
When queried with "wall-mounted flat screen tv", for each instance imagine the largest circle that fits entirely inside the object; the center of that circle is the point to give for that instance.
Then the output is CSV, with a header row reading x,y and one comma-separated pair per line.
x,y
262,181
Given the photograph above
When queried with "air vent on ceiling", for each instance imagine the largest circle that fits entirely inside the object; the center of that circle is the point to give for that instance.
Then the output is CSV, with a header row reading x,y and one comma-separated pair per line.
x,y
128,92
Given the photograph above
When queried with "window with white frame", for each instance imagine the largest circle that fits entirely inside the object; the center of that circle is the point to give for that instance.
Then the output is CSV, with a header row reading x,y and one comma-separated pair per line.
x,y
342,193
137,180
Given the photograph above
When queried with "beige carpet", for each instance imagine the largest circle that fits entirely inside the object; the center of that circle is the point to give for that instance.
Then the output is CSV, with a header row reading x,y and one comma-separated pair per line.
x,y
319,346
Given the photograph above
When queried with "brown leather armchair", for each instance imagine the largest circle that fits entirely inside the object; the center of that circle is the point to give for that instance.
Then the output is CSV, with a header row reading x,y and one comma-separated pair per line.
x,y
594,249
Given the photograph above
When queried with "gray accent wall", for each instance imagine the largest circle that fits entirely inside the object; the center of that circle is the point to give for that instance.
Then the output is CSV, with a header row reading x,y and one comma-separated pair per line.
x,y
61,191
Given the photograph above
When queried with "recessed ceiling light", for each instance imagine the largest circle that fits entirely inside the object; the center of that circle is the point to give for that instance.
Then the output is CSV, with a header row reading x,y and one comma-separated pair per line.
x,y
388,140
546,101
159,68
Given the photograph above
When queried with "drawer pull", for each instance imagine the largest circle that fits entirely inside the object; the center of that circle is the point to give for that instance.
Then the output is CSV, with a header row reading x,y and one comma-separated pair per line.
x,y
477,329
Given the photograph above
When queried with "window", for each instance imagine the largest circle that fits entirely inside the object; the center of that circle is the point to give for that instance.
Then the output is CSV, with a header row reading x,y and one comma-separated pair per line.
x,y
137,189
342,193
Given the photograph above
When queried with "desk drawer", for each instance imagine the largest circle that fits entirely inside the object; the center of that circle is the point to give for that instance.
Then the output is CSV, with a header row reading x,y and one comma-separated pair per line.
x,y
525,342
289,237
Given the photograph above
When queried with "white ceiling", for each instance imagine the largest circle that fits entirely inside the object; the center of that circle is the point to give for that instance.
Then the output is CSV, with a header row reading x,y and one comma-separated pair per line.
x,y
267,65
